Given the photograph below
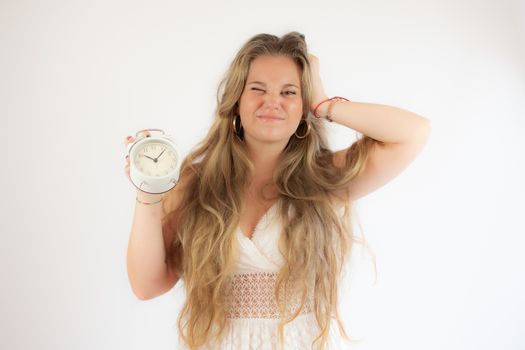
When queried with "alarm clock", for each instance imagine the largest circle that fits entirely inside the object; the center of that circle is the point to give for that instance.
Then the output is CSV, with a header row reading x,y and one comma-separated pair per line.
x,y
154,162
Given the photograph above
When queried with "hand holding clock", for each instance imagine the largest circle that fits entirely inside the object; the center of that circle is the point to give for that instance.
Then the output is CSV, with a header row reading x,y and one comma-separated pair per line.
x,y
159,173
127,141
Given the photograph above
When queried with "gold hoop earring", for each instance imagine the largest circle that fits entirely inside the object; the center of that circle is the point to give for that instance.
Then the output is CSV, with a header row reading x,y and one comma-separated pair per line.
x,y
307,130
237,132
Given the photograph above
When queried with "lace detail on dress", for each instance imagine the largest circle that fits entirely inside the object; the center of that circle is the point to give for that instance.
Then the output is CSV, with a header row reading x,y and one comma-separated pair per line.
x,y
253,296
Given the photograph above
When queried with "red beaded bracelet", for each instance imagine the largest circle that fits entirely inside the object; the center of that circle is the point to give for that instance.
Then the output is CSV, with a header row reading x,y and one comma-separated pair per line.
x,y
335,98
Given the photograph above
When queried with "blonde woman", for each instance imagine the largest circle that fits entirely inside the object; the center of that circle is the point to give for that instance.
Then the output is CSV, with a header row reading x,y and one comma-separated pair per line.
x,y
259,226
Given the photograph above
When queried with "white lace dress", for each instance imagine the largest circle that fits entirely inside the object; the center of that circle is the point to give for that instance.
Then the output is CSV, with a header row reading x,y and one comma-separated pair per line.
x,y
254,313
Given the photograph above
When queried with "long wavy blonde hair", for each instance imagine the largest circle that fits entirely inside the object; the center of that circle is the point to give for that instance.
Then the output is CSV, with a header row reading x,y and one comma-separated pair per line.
x,y
315,240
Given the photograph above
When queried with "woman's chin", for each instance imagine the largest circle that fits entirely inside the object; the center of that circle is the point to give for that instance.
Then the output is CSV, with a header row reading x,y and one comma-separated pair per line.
x,y
268,138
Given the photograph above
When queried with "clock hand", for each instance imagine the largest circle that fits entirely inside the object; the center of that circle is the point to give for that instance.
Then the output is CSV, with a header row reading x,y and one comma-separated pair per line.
x,y
160,154
150,158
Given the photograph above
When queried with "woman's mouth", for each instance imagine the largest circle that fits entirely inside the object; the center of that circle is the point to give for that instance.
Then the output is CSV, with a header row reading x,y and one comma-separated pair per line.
x,y
270,118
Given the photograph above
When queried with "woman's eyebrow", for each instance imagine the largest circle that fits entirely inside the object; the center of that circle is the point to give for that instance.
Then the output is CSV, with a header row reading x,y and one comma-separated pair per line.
x,y
260,82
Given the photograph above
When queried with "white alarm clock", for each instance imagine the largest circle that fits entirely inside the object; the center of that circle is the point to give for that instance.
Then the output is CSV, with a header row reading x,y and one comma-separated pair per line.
x,y
154,162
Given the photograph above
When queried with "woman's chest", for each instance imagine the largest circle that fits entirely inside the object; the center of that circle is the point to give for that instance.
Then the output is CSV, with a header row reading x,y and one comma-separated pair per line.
x,y
251,215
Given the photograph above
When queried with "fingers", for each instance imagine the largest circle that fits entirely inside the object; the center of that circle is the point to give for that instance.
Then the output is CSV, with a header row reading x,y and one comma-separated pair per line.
x,y
128,140
131,139
126,168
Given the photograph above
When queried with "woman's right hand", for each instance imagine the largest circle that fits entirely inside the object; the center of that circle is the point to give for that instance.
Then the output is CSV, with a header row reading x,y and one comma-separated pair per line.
x,y
127,141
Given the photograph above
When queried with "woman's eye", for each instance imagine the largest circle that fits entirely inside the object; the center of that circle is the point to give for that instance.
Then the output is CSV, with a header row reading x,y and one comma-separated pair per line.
x,y
286,92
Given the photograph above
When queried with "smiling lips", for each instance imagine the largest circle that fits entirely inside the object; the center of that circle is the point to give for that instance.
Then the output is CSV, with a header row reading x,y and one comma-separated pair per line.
x,y
269,117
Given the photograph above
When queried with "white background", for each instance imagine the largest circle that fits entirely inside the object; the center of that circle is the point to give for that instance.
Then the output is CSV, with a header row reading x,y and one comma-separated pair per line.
x,y
76,77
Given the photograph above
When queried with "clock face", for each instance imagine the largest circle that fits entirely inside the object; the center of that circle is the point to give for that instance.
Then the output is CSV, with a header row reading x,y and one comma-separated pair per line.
x,y
155,159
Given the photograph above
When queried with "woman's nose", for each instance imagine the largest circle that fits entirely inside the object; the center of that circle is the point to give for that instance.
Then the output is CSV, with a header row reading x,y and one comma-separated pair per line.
x,y
272,101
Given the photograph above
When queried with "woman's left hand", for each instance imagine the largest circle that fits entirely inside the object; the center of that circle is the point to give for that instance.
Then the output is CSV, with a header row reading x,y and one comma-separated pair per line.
x,y
318,93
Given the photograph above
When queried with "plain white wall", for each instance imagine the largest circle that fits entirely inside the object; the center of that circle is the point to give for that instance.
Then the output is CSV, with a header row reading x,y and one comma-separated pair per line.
x,y
76,77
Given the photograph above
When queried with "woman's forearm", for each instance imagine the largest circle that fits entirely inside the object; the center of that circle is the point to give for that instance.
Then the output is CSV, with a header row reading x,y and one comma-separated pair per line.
x,y
381,122
146,267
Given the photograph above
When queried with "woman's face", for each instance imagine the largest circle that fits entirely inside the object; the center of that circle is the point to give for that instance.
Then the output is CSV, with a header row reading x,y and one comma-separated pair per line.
x,y
271,104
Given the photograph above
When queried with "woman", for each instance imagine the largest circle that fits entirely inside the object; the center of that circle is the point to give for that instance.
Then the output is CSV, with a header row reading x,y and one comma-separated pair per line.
x,y
253,227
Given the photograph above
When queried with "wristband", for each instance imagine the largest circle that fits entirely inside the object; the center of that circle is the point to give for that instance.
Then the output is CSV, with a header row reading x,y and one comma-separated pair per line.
x,y
333,100
138,200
